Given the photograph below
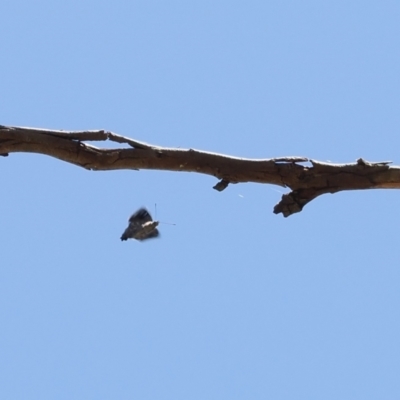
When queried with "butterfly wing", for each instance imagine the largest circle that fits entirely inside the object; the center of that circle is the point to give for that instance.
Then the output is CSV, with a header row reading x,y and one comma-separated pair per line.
x,y
153,234
131,231
141,216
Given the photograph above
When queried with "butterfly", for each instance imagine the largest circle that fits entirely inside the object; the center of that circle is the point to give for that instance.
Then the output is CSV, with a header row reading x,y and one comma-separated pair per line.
x,y
141,226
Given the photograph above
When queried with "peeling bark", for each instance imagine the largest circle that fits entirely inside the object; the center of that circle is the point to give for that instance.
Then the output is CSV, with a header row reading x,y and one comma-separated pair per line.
x,y
305,181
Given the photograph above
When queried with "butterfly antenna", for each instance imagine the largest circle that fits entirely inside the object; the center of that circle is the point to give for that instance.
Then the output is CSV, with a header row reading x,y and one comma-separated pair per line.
x,y
168,223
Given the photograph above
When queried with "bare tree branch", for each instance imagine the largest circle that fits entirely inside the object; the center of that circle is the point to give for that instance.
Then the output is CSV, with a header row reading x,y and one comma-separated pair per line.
x,y
305,181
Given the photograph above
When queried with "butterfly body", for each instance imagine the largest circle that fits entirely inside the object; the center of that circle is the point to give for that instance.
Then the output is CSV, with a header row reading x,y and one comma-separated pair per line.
x,y
141,226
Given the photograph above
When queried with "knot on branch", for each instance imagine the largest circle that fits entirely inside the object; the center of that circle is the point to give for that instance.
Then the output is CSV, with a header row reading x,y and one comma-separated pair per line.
x,y
294,201
221,185
290,204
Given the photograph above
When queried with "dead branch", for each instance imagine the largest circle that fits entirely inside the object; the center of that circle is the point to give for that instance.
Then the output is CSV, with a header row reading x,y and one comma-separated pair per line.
x,y
305,181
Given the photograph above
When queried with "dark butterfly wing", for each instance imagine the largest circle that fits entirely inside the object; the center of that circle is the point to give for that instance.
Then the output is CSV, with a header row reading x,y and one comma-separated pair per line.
x,y
141,216
131,231
153,234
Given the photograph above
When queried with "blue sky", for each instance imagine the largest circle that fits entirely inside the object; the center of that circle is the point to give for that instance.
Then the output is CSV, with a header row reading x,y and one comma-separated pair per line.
x,y
233,302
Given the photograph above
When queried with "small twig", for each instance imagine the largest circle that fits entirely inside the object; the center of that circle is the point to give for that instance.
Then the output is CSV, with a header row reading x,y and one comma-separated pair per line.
x,y
134,143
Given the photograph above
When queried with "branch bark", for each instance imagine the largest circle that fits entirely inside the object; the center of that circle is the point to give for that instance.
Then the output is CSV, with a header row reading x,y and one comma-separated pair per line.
x,y
306,181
